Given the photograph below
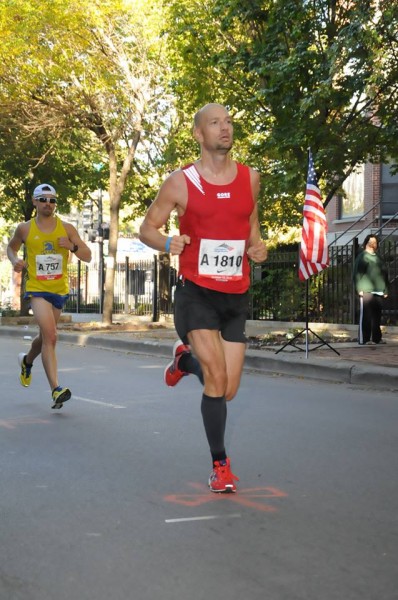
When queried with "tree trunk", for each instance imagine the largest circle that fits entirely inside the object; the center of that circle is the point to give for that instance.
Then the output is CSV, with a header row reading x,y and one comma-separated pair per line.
x,y
116,187
111,260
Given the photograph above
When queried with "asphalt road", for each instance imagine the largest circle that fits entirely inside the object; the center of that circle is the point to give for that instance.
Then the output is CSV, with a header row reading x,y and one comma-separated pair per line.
x,y
107,498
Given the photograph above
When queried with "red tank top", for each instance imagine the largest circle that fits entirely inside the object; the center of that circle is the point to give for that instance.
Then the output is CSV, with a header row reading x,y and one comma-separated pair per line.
x,y
217,219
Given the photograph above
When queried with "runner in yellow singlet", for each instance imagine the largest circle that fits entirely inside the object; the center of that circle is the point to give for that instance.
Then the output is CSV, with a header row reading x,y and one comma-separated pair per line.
x,y
48,241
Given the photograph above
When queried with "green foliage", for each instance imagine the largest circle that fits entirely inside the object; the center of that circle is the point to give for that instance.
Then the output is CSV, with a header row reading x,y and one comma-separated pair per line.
x,y
81,85
118,82
91,72
7,310
65,165
295,74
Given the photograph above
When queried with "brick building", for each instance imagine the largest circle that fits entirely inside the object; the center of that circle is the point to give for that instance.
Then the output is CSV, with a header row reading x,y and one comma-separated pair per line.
x,y
370,202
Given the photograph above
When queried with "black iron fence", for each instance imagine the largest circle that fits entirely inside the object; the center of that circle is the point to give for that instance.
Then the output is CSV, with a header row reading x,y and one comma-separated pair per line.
x,y
279,295
146,287
142,287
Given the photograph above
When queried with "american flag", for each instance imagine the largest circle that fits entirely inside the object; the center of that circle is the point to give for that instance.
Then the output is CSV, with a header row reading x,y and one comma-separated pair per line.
x,y
314,254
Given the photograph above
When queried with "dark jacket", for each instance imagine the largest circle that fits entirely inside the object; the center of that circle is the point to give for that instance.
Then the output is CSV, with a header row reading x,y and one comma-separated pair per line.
x,y
370,273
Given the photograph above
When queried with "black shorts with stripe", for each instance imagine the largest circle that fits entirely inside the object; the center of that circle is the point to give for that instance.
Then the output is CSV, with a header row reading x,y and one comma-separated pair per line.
x,y
196,307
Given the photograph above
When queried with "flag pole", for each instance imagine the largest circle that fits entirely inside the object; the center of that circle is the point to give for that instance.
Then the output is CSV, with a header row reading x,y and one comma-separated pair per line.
x,y
306,290
306,319
313,250
293,342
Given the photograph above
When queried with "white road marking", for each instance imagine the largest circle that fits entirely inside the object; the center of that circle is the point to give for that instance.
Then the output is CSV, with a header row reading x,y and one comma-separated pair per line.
x,y
204,518
108,404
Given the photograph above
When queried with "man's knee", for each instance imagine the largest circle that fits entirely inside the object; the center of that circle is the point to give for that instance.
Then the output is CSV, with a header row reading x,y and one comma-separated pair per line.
x,y
50,337
231,392
215,379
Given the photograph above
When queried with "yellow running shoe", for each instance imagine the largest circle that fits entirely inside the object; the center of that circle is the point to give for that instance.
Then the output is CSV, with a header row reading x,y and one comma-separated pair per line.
x,y
26,370
60,395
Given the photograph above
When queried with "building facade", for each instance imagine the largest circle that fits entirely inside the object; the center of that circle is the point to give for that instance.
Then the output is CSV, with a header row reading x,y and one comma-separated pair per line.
x,y
369,203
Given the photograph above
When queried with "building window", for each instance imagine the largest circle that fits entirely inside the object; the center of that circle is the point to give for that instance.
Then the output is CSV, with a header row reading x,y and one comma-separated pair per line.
x,y
352,203
389,192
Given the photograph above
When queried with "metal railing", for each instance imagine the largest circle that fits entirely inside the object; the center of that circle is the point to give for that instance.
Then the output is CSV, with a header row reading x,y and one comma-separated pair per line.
x,y
278,294
142,287
146,287
376,229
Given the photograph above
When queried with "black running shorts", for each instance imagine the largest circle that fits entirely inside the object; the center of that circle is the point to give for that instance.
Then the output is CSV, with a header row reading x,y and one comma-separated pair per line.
x,y
196,307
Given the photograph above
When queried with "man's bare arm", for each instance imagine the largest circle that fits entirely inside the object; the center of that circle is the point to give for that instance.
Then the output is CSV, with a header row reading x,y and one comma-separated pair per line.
x,y
83,252
172,195
257,248
14,246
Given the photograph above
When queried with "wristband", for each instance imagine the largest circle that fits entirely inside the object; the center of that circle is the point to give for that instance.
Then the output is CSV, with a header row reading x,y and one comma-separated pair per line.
x,y
75,248
168,242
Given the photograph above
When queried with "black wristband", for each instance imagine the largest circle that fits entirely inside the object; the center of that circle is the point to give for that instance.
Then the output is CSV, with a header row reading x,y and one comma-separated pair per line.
x,y
75,248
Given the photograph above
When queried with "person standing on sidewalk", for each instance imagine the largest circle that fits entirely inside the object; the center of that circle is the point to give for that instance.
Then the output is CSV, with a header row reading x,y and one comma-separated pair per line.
x,y
216,203
48,241
371,284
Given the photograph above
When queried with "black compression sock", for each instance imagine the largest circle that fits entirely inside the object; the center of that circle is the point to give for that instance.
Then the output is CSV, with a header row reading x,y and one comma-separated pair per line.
x,y
214,412
190,364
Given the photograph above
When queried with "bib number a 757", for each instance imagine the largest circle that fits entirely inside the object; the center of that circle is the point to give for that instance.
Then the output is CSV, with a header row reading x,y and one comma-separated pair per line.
x,y
48,266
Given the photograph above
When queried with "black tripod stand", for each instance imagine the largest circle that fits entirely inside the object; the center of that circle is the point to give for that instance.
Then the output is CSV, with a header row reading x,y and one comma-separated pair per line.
x,y
307,330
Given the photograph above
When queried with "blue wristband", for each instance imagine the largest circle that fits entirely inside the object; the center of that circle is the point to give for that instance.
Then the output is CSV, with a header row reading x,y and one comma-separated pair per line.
x,y
168,242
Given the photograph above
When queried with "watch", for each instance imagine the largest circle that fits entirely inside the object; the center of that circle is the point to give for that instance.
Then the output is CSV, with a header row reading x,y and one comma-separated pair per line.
x,y
75,248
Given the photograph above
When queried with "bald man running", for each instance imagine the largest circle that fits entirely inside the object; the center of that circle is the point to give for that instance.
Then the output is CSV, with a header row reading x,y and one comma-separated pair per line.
x,y
216,203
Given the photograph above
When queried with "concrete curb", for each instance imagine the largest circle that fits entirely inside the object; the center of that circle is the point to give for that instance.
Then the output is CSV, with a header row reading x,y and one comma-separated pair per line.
x,y
322,369
383,378
293,364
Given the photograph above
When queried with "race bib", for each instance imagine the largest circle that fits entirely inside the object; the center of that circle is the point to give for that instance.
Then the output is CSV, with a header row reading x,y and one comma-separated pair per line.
x,y
221,259
49,266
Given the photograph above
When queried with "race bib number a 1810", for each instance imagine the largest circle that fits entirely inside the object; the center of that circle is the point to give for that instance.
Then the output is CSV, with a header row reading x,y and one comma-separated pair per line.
x,y
48,266
221,259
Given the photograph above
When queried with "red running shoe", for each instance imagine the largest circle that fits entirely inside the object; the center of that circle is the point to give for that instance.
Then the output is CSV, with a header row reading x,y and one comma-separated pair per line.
x,y
172,374
222,480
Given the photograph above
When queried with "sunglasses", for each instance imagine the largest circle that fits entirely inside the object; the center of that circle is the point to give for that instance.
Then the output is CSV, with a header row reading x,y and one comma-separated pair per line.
x,y
50,200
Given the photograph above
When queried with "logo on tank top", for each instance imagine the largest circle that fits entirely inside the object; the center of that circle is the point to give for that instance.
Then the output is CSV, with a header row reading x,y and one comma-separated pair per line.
x,y
48,247
223,195
223,248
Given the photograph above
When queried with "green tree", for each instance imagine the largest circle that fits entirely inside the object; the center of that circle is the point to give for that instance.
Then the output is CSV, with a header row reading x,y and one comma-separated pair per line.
x,y
25,163
88,66
297,74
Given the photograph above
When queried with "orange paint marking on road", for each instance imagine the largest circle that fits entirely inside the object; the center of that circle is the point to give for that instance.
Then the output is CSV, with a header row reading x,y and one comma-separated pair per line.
x,y
249,497
13,423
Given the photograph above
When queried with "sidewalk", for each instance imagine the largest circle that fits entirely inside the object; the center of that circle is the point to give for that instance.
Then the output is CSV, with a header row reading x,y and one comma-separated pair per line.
x,y
373,366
